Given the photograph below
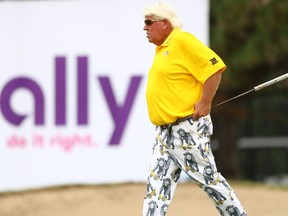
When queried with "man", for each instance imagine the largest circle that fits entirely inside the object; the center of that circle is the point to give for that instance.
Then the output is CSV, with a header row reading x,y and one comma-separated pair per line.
x,y
181,85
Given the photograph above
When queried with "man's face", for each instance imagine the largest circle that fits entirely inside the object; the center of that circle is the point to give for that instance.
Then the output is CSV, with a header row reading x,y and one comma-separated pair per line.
x,y
154,30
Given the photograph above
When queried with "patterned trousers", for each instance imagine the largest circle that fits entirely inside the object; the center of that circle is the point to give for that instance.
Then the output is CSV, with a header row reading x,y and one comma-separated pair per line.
x,y
186,147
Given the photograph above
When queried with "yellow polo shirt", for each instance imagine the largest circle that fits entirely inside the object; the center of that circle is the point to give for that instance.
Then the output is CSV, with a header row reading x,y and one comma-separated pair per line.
x,y
181,66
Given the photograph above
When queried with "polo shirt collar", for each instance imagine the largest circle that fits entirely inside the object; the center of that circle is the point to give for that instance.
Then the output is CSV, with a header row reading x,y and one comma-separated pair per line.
x,y
170,36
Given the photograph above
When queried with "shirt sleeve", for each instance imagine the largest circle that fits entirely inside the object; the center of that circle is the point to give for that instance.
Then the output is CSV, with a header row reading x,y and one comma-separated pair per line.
x,y
200,60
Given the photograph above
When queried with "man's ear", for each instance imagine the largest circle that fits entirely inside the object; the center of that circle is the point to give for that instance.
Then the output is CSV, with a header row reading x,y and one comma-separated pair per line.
x,y
166,24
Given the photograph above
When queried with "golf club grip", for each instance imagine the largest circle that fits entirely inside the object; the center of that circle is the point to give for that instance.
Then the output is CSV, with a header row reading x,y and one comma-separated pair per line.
x,y
271,82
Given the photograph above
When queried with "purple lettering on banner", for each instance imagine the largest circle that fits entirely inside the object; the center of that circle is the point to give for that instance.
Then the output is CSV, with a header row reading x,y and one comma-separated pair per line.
x,y
82,91
60,90
120,113
34,88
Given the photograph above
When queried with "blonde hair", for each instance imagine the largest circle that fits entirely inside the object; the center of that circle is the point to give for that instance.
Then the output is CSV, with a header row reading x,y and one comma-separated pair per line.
x,y
162,10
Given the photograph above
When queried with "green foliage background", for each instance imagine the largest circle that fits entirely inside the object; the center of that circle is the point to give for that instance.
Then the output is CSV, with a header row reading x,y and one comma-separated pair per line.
x,y
251,36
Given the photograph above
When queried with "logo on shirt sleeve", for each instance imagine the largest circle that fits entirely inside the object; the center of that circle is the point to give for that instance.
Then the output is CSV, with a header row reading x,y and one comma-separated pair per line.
x,y
214,61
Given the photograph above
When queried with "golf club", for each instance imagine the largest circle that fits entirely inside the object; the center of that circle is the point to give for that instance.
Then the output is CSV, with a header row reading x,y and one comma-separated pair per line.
x,y
256,88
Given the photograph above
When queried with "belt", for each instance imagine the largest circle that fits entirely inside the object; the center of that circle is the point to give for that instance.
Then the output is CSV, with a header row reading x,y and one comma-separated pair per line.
x,y
178,121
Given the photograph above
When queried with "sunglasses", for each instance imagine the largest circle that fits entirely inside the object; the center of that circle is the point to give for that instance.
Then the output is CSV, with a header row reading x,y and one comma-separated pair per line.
x,y
150,22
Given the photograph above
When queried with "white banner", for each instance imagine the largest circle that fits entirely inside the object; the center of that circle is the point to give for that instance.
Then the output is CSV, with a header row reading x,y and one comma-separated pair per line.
x,y
72,90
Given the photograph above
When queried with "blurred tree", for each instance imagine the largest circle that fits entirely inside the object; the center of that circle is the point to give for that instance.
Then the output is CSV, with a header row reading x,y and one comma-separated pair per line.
x,y
251,38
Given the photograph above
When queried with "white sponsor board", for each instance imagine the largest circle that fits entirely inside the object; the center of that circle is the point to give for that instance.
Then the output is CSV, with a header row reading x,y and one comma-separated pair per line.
x,y
72,90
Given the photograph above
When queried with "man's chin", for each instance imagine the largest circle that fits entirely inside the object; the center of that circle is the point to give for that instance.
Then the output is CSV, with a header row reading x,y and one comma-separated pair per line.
x,y
151,41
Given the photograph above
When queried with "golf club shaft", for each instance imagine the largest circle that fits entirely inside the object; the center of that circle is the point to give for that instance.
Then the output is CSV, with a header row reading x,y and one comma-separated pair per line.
x,y
257,88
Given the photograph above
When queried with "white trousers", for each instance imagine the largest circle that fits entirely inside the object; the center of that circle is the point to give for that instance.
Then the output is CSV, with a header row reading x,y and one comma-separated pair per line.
x,y
186,147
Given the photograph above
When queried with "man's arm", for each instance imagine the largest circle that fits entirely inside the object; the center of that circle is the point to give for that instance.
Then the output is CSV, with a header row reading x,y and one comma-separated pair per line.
x,y
203,106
